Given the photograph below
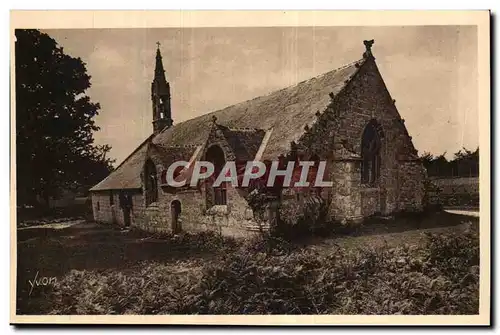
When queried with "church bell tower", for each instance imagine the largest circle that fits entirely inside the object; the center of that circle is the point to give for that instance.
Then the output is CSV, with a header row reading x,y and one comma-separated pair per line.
x,y
160,96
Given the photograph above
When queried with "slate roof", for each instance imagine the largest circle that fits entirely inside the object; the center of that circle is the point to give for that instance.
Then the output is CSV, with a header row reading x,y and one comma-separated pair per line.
x,y
243,142
168,155
286,111
128,174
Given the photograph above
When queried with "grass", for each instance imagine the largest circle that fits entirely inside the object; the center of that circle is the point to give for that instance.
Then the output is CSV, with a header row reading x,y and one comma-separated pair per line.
x,y
427,266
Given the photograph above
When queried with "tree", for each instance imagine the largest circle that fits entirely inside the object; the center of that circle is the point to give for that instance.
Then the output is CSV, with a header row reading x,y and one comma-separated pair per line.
x,y
427,159
54,121
465,163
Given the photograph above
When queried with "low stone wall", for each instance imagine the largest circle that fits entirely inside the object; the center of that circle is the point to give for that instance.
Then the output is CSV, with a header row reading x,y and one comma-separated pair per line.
x,y
461,192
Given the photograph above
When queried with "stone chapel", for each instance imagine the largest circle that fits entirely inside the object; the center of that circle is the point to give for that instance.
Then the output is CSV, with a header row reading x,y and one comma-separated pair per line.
x,y
345,117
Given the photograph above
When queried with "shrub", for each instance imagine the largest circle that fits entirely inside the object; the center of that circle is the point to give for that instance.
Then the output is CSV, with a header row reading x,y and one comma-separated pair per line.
x,y
304,218
154,289
202,241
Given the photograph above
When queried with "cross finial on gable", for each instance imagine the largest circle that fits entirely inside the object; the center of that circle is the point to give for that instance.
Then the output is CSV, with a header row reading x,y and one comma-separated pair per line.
x,y
214,119
158,44
368,46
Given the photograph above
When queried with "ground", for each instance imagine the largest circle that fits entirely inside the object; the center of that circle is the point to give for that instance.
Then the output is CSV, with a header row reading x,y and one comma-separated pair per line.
x,y
52,250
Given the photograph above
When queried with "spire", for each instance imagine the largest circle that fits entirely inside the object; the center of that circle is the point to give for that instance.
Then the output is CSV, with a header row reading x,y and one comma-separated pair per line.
x,y
160,96
159,70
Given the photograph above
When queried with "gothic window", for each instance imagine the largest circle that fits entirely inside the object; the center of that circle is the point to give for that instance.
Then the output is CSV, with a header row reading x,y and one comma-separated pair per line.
x,y
370,153
216,195
151,182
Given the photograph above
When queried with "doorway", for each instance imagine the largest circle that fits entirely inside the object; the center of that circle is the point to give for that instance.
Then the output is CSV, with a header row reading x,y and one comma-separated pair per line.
x,y
175,212
383,201
126,205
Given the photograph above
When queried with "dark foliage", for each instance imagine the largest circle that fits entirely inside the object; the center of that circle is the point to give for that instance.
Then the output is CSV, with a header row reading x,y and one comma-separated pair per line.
x,y
54,121
464,164
38,215
307,218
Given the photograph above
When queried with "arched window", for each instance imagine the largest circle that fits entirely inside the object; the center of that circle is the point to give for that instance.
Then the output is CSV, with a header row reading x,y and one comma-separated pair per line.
x,y
216,195
370,152
151,182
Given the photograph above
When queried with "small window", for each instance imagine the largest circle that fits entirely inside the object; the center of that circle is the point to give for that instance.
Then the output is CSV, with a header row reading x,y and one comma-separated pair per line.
x,y
151,182
111,199
98,206
220,194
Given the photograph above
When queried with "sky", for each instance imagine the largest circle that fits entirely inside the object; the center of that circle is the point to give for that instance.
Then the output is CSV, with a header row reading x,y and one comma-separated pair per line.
x,y
431,71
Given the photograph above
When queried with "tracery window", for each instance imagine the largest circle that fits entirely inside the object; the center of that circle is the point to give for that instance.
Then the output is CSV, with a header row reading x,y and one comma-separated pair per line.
x,y
370,153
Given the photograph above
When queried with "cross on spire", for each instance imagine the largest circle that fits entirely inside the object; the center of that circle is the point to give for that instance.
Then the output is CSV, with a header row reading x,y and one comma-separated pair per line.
x,y
159,71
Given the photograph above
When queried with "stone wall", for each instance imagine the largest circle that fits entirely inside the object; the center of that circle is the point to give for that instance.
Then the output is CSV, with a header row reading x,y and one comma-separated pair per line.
x,y
106,212
101,207
370,201
411,187
345,204
460,192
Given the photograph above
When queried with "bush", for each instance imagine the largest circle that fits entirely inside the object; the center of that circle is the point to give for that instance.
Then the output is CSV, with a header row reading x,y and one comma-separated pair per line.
x,y
300,219
202,241
155,289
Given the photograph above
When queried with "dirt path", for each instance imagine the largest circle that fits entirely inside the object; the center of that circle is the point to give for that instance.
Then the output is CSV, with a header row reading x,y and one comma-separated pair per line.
x,y
464,212
390,240
398,232
52,250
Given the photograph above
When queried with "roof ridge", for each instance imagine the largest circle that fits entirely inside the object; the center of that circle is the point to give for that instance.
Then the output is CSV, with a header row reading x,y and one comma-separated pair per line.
x,y
180,146
360,61
247,129
307,80
356,62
